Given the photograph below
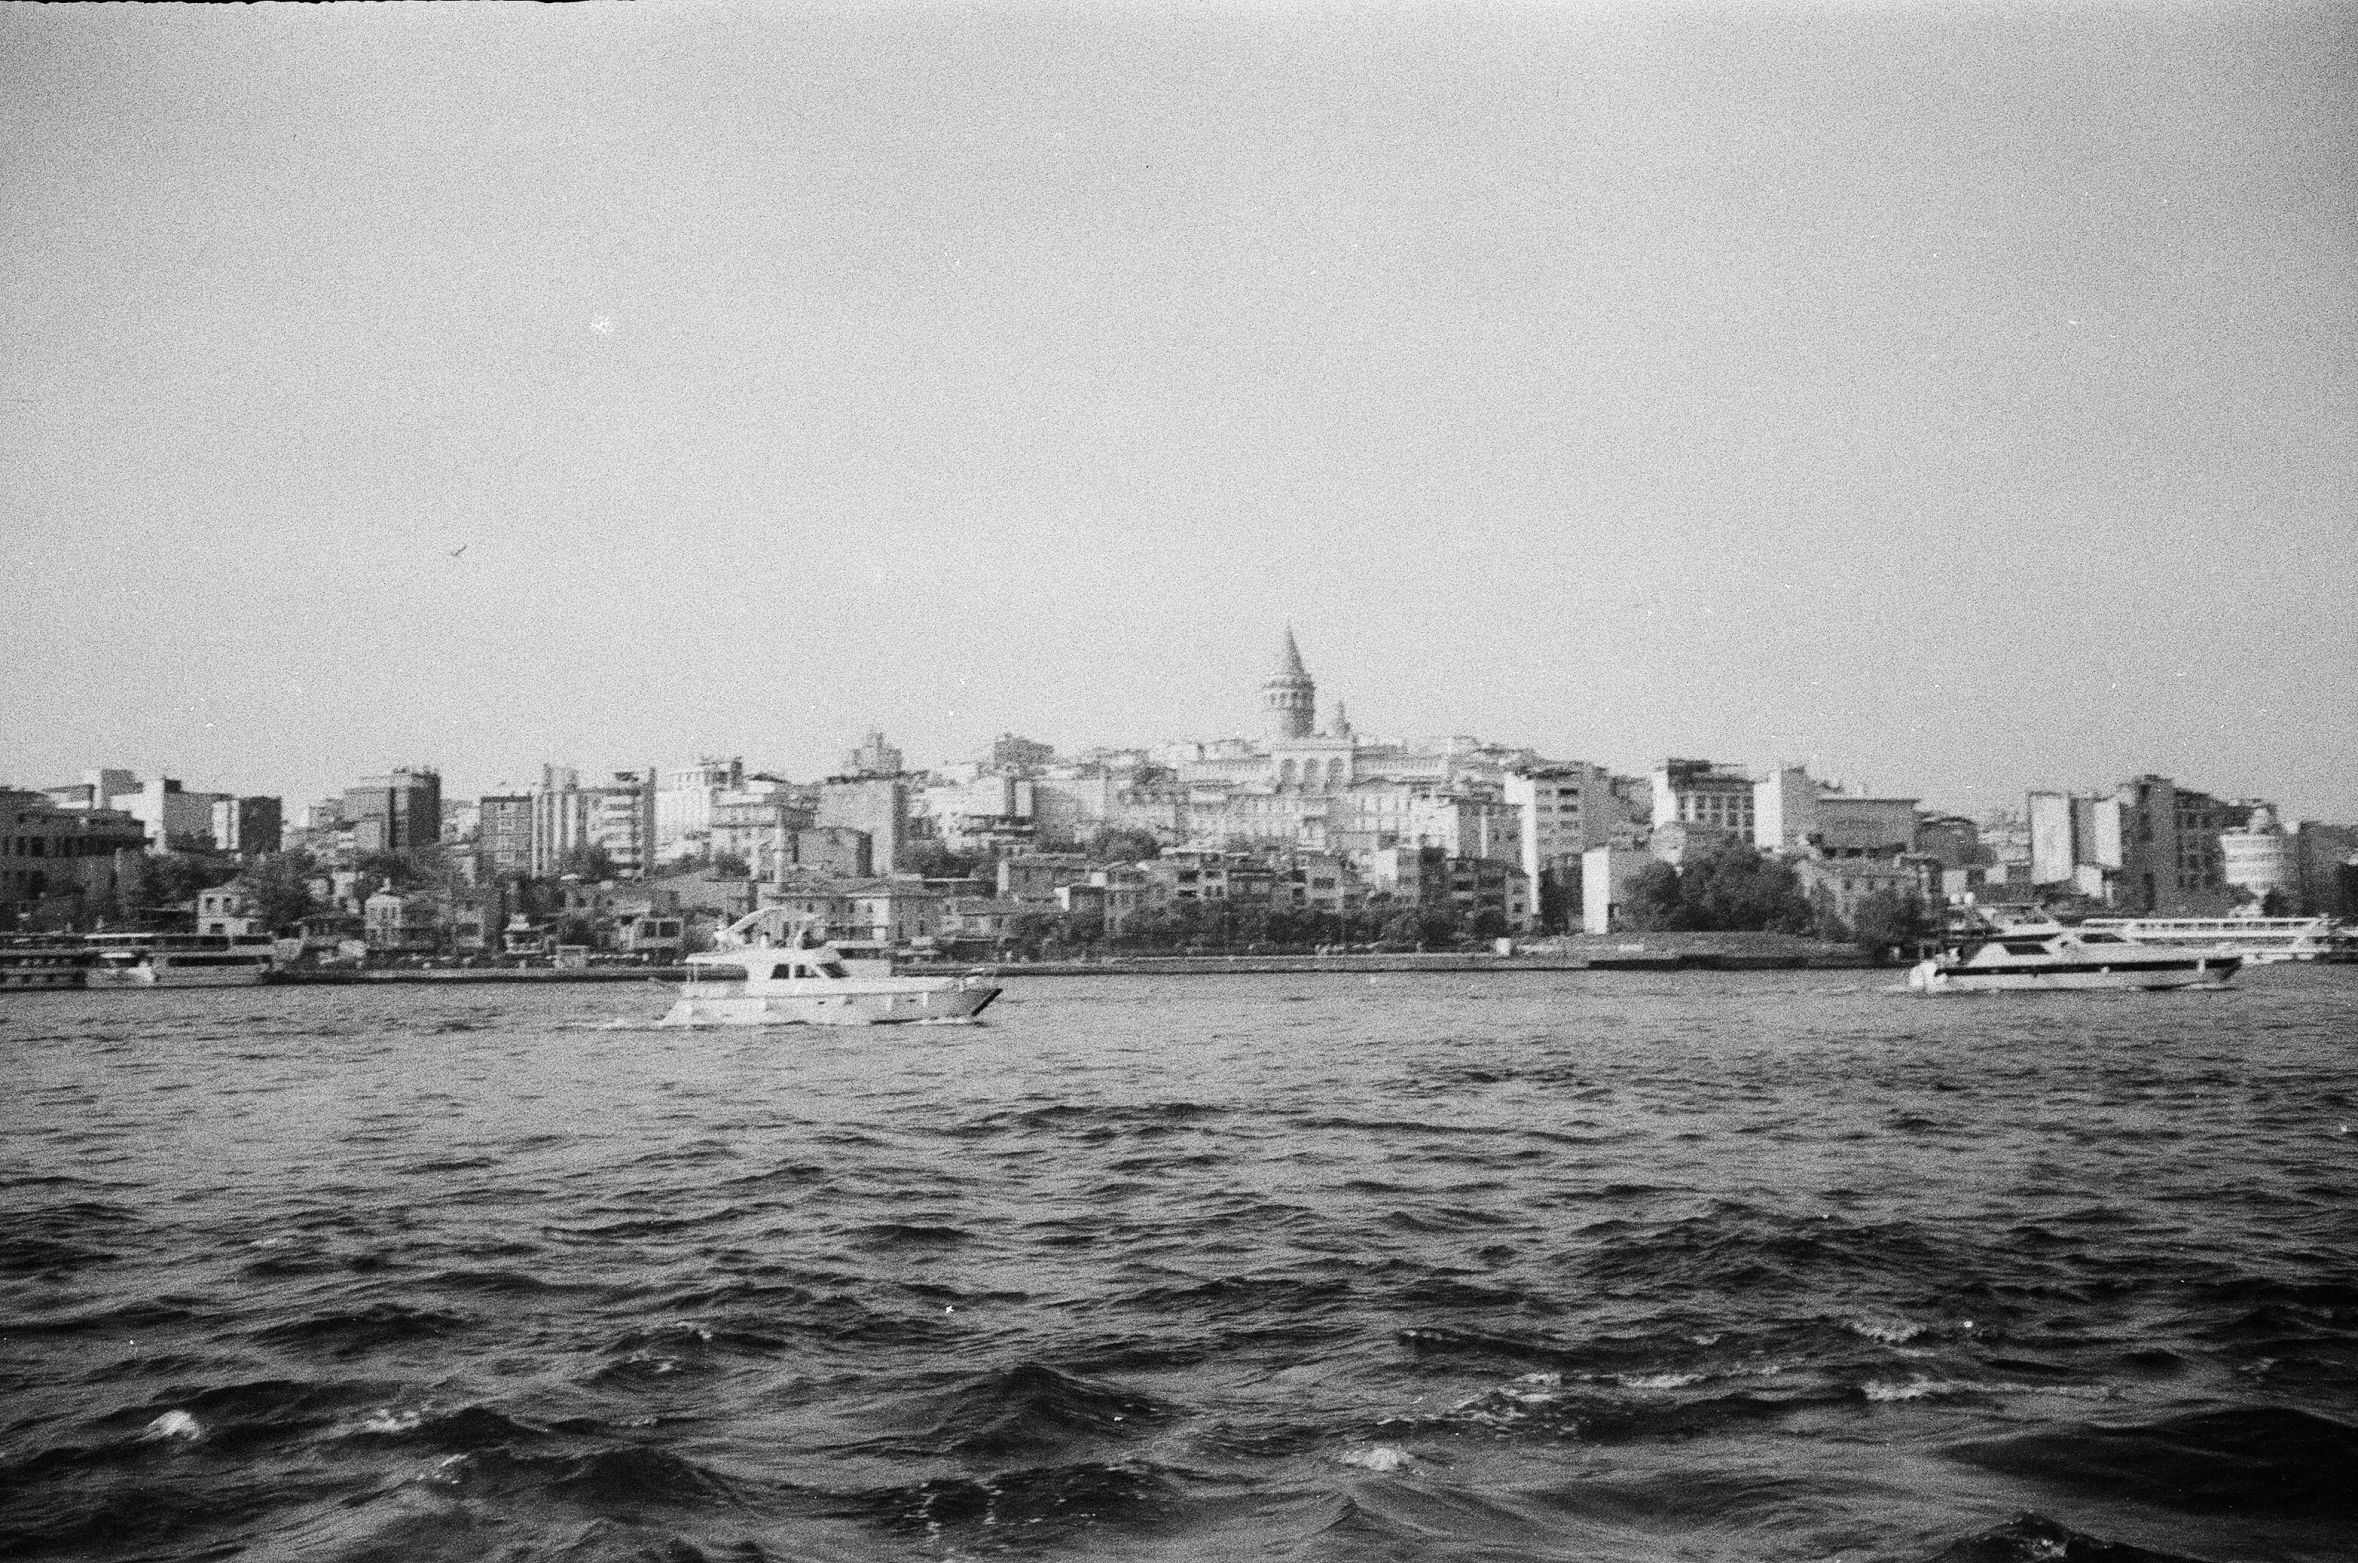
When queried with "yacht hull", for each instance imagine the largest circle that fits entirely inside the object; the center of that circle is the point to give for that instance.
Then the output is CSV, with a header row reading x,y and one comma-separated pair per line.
x,y
948,1002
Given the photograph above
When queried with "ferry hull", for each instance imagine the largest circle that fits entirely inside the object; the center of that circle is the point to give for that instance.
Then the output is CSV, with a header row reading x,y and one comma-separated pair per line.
x,y
945,1003
176,976
1930,977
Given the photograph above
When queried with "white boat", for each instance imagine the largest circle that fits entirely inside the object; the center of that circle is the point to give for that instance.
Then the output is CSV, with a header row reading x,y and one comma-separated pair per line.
x,y
2258,940
772,968
176,960
2033,954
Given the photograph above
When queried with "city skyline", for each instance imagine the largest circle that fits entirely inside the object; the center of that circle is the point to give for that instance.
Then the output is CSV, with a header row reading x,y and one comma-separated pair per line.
x,y
1958,396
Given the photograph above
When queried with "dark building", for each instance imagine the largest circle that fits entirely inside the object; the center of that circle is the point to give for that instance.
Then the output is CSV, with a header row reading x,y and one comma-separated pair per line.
x,y
401,812
503,832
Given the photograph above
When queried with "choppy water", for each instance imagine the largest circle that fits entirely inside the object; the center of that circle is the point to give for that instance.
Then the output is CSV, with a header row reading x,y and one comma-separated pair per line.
x,y
1498,1267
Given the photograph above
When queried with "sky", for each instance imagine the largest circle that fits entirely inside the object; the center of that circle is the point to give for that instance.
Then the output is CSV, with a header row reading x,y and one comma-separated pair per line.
x,y
1963,398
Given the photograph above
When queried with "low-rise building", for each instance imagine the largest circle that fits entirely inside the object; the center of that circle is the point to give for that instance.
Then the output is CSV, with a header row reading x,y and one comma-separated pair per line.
x,y
1037,876
397,924
50,854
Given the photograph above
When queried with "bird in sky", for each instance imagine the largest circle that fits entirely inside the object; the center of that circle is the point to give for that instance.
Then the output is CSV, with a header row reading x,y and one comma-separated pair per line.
x,y
460,549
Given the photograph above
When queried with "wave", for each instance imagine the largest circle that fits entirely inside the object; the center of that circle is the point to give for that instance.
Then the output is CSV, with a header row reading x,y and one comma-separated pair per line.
x,y
1032,1507
1030,1412
367,1329
2245,1459
2033,1538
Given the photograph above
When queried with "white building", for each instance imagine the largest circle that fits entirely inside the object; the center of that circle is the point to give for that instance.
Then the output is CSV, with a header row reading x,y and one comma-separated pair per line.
x,y
2260,857
684,799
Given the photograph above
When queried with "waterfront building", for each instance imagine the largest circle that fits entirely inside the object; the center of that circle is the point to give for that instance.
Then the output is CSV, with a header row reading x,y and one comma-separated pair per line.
x,y
397,924
1845,883
896,912
2325,861
1035,877
2149,846
1560,811
400,811
224,909
62,856
2257,861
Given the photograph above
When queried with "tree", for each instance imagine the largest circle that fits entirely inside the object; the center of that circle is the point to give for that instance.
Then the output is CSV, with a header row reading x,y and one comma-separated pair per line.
x,y
1654,901
1732,888
729,865
931,859
1888,919
589,860
1123,844
278,890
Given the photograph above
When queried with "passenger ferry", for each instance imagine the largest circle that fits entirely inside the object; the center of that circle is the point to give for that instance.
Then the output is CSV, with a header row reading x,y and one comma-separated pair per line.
x,y
177,960
2029,954
771,968
2257,939
38,961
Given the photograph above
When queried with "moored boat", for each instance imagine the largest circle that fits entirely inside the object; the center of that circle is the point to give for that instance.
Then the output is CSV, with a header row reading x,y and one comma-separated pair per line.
x,y
2033,954
772,968
43,961
2259,940
176,960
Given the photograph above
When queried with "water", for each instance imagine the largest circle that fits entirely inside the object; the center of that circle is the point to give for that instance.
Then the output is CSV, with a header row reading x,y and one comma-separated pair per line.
x,y
1498,1267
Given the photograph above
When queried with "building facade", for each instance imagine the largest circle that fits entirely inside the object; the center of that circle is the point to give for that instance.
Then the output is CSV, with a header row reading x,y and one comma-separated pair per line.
x,y
397,812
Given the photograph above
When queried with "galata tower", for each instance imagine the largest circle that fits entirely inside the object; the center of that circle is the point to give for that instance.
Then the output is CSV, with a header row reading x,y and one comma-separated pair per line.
x,y
1289,698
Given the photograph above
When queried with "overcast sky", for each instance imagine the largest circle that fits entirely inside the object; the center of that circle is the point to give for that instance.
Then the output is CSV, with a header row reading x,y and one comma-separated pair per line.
x,y
1962,396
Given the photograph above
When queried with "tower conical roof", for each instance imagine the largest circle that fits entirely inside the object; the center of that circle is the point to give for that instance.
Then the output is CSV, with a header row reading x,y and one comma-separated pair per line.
x,y
1289,658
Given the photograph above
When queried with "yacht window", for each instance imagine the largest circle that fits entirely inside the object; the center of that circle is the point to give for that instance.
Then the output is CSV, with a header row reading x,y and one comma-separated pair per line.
x,y
2102,938
799,970
2015,948
832,969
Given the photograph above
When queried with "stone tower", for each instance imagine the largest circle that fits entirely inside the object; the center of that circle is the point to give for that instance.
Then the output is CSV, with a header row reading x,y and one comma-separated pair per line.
x,y
1289,698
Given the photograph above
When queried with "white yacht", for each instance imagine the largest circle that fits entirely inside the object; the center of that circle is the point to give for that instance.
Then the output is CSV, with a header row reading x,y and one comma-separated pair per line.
x,y
176,960
772,968
2258,940
2029,954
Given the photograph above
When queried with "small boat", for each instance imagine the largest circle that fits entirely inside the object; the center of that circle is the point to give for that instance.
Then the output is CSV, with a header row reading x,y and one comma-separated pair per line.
x,y
177,960
773,968
2029,954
